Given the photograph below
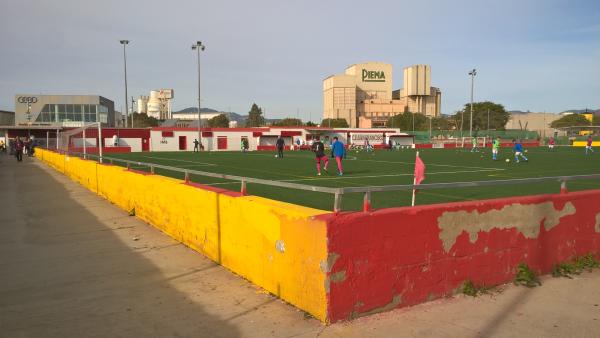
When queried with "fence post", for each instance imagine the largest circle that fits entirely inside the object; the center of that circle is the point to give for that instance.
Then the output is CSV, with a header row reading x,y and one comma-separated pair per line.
x,y
243,190
128,166
337,203
563,187
187,177
152,169
367,201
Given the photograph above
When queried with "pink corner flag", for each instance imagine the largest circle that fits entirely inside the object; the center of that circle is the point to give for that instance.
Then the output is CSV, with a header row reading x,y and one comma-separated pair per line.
x,y
419,170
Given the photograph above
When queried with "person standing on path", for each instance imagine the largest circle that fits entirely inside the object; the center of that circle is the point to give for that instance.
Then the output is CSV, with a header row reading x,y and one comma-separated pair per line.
x,y
19,149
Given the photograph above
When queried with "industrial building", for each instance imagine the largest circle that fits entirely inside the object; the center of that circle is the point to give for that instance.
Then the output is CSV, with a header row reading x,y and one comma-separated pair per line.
x,y
539,122
364,97
158,104
63,110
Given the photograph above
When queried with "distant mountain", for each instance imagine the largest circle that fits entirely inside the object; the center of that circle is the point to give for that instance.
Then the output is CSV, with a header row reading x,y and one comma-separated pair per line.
x,y
195,110
576,111
232,116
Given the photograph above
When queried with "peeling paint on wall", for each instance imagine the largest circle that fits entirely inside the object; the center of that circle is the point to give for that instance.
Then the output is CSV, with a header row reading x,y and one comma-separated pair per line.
x,y
525,218
396,300
331,259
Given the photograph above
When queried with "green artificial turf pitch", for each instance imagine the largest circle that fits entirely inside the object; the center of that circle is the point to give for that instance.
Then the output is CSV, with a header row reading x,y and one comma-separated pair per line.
x,y
382,168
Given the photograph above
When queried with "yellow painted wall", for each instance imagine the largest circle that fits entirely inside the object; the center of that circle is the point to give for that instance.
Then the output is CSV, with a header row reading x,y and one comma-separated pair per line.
x,y
584,143
278,246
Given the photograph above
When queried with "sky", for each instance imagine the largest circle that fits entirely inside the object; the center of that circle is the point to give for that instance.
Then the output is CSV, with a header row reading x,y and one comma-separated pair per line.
x,y
537,55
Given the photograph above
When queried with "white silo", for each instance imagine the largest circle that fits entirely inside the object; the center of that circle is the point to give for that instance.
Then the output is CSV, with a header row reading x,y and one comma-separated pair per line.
x,y
142,104
154,104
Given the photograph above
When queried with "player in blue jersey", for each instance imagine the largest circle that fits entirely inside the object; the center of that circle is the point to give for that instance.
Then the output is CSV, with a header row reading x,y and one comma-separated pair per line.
x,y
519,151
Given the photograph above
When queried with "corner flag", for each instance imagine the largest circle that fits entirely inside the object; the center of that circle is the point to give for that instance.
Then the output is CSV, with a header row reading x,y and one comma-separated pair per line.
x,y
419,175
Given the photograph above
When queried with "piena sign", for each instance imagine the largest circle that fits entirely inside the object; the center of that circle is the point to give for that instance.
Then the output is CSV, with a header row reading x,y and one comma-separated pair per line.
x,y
27,99
373,76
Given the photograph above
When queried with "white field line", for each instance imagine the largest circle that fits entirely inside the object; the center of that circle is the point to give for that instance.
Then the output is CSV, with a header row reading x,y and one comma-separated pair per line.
x,y
184,161
435,165
353,158
392,175
371,176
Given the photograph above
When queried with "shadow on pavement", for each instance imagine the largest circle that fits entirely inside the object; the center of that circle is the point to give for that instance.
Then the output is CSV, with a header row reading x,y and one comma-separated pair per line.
x,y
66,273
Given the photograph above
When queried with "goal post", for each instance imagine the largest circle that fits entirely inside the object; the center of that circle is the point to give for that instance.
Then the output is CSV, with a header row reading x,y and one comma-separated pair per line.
x,y
83,140
467,142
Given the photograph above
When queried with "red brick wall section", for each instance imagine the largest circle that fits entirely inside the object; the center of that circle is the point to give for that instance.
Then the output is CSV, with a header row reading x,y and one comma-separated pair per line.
x,y
399,257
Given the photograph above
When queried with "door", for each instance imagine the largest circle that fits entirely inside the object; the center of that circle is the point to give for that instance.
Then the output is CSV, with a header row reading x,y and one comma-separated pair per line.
x,y
182,143
146,144
222,142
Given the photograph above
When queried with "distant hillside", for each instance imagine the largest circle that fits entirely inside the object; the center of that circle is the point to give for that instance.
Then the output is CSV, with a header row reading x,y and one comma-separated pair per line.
x,y
576,111
195,110
232,116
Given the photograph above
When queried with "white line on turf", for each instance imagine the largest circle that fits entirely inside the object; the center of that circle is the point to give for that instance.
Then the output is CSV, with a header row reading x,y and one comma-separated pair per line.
x,y
177,160
392,175
371,176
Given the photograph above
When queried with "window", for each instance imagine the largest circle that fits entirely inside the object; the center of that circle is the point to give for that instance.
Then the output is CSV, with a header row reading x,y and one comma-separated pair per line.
x,y
78,116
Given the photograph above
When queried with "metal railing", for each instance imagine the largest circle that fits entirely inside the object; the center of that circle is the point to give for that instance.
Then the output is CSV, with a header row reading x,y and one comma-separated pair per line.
x,y
339,192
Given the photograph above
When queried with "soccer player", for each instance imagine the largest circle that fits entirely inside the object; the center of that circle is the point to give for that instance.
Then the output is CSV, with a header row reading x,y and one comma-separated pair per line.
x,y
196,145
338,151
589,145
519,151
495,148
319,149
551,143
280,144
474,144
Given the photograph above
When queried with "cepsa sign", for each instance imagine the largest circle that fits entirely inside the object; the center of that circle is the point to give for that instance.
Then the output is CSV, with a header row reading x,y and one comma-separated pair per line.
x,y
373,138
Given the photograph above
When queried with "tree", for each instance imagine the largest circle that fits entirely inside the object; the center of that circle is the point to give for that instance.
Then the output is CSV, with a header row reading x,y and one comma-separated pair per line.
x,y
570,120
144,121
219,121
255,118
498,116
288,122
405,121
334,123
310,124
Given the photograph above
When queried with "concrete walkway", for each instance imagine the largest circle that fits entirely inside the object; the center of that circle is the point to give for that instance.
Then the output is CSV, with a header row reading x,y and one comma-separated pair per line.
x,y
73,265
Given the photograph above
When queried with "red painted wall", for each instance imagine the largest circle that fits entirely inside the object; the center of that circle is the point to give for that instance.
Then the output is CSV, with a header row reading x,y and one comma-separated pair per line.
x,y
395,257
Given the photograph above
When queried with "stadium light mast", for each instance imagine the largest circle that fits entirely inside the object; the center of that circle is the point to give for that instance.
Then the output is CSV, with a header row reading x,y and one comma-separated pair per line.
x,y
472,73
199,47
125,43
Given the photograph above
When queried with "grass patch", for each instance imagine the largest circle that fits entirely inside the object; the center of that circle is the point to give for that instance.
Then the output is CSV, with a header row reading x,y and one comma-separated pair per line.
x,y
575,266
470,289
527,277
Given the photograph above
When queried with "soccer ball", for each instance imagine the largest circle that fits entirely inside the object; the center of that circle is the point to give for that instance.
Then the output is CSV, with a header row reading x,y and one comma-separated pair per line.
x,y
525,150
276,155
507,160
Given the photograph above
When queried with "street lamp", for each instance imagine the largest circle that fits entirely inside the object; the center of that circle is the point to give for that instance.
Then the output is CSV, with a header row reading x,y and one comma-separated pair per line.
x,y
472,73
124,43
199,47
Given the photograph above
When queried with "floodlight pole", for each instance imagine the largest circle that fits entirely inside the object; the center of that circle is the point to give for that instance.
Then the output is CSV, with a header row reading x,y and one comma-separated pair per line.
x,y
124,43
198,47
472,73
